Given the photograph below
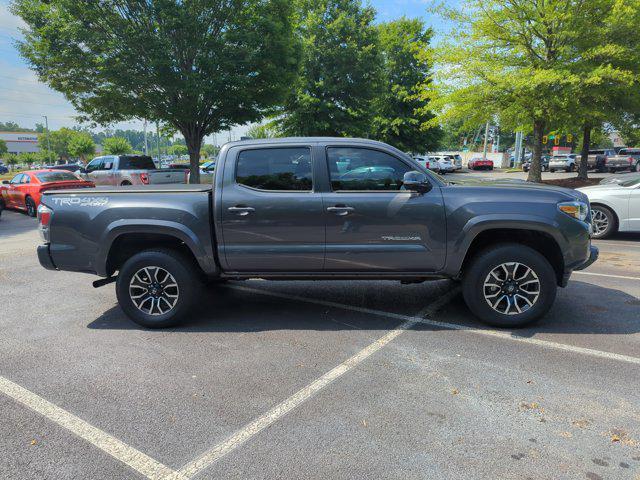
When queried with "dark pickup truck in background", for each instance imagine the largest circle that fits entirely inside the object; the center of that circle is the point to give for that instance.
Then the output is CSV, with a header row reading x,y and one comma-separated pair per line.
x,y
321,208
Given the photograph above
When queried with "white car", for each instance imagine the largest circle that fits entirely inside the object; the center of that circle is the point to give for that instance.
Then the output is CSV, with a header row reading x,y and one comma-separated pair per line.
x,y
615,207
425,161
442,164
566,162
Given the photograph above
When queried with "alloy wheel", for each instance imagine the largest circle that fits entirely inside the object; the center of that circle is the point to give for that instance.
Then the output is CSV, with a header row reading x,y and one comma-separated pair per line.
x,y
153,290
511,288
599,222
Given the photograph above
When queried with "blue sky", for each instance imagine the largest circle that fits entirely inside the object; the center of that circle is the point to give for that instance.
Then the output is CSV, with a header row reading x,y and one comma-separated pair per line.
x,y
23,99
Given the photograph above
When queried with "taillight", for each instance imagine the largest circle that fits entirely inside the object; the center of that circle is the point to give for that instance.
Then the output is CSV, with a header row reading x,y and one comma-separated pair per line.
x,y
44,219
144,178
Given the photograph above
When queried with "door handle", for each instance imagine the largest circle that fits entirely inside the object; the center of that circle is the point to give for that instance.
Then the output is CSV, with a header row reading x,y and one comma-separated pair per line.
x,y
341,210
241,211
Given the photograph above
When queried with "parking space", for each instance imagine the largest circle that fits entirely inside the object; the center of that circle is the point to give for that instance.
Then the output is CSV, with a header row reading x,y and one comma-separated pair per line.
x,y
316,380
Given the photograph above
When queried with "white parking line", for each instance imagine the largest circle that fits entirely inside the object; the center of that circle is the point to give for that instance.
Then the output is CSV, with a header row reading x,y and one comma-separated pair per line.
x,y
623,277
128,455
452,326
304,394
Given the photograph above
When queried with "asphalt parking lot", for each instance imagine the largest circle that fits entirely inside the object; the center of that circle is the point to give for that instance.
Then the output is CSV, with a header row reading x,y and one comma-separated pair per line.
x,y
317,380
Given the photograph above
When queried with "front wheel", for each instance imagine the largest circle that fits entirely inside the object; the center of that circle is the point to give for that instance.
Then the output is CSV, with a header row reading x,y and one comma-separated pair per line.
x,y
509,285
156,288
637,166
603,221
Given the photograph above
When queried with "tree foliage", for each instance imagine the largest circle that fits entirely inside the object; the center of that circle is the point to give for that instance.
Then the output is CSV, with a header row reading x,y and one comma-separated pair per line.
x,y
401,115
339,70
58,141
522,61
3,147
116,146
82,146
268,130
178,150
197,66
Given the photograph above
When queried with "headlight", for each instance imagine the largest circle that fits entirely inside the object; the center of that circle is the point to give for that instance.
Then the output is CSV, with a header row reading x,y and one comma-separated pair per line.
x,y
576,209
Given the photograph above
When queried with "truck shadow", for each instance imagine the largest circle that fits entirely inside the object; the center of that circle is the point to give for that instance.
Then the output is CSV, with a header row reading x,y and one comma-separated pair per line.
x,y
581,309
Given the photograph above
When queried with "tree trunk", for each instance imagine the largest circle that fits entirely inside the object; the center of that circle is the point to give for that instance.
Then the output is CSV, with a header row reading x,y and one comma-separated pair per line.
x,y
584,155
535,172
193,139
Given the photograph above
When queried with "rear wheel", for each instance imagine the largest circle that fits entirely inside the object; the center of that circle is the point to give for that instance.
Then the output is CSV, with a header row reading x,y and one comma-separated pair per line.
x,y
125,183
603,221
30,206
156,288
509,285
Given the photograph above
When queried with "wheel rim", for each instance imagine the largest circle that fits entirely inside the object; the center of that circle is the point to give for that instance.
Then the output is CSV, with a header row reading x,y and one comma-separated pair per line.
x,y
599,221
153,290
511,288
30,208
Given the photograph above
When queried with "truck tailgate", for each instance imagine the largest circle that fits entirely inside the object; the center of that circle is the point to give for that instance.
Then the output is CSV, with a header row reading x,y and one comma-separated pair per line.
x,y
159,177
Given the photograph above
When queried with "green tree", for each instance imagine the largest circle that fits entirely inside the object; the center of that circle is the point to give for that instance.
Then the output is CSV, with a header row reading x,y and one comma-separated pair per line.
x,y
116,146
513,59
401,115
263,131
3,147
608,67
82,146
59,141
206,66
178,150
12,160
629,129
209,150
339,72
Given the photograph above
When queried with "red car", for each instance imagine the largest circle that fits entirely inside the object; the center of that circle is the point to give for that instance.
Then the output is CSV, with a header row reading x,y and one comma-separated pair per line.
x,y
24,190
479,163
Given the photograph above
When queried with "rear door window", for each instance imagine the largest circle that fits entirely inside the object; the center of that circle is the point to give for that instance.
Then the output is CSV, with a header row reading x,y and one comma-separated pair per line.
x,y
278,169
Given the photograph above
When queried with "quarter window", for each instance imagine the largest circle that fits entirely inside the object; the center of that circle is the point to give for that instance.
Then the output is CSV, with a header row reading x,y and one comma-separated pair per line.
x,y
365,169
275,169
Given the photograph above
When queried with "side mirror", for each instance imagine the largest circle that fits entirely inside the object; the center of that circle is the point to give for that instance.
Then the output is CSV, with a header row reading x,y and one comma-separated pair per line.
x,y
5,182
416,182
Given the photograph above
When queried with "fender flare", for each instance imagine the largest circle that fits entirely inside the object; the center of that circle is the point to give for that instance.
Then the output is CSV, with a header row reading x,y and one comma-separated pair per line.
x,y
477,225
162,227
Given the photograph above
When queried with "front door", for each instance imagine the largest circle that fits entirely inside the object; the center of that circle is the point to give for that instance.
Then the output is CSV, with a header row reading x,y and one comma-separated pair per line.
x,y
272,219
373,224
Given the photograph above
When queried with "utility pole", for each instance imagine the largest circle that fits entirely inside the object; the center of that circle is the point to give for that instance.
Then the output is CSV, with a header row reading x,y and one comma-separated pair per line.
x,y
46,127
146,147
486,141
158,139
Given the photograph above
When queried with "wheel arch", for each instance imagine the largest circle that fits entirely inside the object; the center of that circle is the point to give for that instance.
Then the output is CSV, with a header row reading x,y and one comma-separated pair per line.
x,y
123,240
540,237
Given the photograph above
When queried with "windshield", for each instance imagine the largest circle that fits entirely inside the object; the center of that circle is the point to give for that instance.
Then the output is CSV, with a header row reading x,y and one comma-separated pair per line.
x,y
136,162
61,176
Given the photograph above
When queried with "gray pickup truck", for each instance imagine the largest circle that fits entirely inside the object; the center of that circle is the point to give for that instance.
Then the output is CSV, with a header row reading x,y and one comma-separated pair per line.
x,y
122,170
322,209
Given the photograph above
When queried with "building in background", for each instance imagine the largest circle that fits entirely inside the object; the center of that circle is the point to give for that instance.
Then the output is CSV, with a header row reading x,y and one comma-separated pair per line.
x,y
21,142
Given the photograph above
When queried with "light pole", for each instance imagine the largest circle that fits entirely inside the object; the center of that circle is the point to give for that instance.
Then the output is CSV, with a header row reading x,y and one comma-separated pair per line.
x,y
46,126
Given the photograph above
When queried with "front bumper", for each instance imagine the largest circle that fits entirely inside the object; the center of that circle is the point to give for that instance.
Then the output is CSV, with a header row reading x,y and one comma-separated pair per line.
x,y
593,256
44,257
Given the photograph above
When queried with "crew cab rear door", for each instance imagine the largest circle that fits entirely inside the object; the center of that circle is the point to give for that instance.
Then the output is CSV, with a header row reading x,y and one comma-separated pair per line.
x,y
271,216
373,224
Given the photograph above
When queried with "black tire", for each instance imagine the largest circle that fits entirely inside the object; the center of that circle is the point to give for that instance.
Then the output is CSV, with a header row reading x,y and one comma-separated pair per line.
x,y
125,183
30,205
637,167
183,271
473,285
571,168
611,221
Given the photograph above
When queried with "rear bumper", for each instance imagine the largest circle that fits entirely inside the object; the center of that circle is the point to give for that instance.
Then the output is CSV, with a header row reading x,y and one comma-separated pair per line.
x,y
44,257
